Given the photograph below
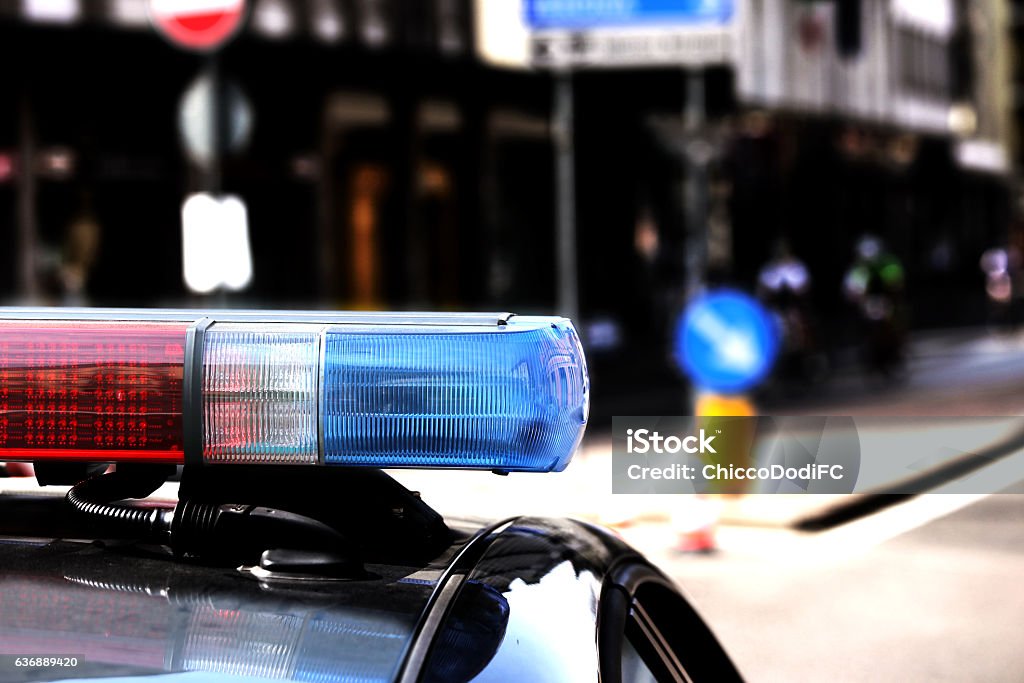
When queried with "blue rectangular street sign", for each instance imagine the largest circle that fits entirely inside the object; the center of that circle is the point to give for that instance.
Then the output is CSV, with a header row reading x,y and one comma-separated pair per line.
x,y
587,14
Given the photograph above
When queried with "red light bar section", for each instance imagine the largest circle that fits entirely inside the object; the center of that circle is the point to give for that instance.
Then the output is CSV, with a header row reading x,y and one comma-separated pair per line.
x,y
95,391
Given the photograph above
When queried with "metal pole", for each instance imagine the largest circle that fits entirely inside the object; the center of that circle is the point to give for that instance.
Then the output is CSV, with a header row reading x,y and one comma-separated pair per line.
x,y
26,179
218,124
565,178
695,181
695,192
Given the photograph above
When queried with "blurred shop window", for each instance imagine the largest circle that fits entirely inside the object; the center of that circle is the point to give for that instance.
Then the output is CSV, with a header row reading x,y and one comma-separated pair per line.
x,y
359,142
518,193
368,186
434,239
925,63
436,266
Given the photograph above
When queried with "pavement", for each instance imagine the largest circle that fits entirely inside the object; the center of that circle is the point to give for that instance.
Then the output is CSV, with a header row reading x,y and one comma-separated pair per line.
x,y
936,596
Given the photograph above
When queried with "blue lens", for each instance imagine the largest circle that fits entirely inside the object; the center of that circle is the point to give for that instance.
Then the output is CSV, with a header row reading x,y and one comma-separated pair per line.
x,y
511,397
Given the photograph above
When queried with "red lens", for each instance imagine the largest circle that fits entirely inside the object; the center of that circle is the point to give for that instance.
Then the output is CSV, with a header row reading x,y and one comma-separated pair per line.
x,y
97,391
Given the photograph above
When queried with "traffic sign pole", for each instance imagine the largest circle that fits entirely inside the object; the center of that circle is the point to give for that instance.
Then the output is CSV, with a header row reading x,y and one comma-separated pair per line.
x,y
217,126
565,172
655,32
25,180
695,191
695,182
204,26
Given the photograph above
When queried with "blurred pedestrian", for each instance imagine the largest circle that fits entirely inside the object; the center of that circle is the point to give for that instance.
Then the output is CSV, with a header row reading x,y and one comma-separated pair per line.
x,y
79,254
784,278
1002,269
784,285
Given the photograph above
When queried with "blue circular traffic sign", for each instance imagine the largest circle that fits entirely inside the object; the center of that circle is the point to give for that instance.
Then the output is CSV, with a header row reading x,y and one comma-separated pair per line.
x,y
726,341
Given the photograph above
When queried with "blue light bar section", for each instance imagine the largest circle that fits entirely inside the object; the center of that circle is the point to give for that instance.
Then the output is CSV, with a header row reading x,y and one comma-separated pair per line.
x,y
513,397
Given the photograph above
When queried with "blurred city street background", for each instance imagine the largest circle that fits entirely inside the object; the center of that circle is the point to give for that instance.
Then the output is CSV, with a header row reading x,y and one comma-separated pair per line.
x,y
851,166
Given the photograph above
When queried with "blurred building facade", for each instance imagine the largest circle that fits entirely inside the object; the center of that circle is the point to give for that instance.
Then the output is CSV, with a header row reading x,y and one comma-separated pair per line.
x,y
887,116
827,120
372,123
399,158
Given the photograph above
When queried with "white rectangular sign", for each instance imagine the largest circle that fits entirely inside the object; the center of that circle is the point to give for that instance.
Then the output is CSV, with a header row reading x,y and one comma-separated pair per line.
x,y
611,48
606,33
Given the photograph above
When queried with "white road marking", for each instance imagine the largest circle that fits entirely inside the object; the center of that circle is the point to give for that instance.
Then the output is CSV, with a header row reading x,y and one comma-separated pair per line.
x,y
789,549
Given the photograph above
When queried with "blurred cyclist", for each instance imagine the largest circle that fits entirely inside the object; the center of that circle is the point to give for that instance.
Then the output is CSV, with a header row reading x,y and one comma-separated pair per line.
x,y
874,284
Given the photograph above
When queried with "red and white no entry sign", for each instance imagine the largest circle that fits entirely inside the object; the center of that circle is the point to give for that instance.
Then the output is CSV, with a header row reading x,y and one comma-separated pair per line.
x,y
202,25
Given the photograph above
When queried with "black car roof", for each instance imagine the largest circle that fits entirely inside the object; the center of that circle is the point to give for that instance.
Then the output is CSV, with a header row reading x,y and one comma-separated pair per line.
x,y
125,609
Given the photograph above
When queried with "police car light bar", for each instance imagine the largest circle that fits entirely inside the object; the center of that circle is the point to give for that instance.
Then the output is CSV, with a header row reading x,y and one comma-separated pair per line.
x,y
481,391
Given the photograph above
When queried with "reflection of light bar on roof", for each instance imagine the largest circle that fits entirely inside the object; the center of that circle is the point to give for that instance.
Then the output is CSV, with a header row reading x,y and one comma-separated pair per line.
x,y
126,630
151,632
296,645
483,391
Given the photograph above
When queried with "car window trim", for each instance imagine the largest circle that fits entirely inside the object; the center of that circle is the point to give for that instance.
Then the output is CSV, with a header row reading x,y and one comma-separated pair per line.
x,y
661,648
442,599
624,581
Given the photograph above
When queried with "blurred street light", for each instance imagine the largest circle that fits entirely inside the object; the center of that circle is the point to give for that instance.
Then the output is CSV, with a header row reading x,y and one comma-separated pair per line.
x,y
328,24
273,19
963,119
53,11
129,13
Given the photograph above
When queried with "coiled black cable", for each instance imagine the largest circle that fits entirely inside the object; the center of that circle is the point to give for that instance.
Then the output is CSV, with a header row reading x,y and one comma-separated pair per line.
x,y
96,497
233,532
